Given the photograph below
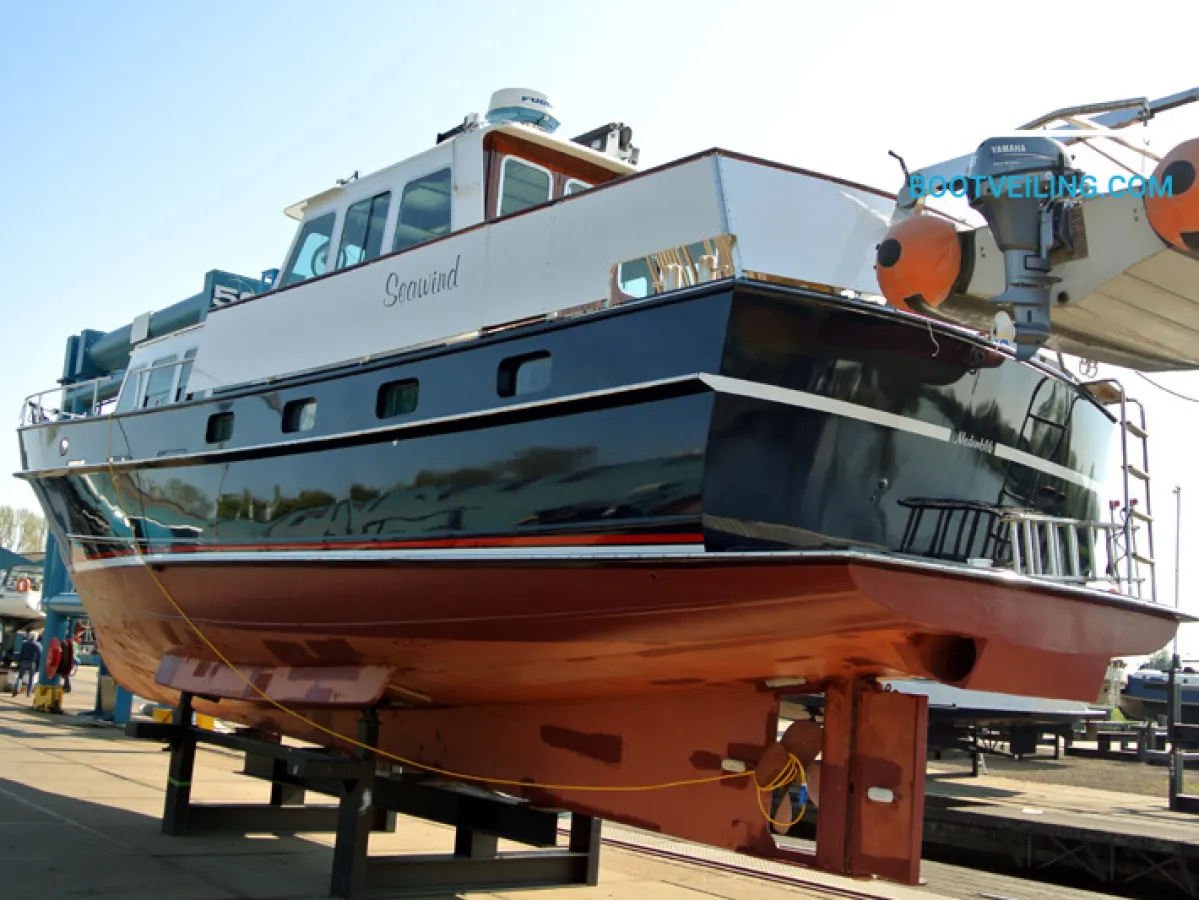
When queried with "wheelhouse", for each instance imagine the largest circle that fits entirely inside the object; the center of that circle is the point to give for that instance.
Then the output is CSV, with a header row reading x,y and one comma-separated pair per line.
x,y
478,176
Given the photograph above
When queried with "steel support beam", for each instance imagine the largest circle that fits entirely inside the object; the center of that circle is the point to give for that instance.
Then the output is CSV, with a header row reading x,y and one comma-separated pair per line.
x,y
368,801
872,781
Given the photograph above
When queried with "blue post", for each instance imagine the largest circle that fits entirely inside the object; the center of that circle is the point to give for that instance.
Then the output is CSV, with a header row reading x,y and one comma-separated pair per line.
x,y
55,580
55,627
123,709
55,583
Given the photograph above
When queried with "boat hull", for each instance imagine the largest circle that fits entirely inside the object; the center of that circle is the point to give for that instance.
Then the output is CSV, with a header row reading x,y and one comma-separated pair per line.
x,y
1145,698
542,630
537,676
1145,709
21,606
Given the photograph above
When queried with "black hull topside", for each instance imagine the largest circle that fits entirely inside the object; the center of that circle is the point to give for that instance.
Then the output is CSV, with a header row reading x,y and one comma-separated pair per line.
x,y
736,416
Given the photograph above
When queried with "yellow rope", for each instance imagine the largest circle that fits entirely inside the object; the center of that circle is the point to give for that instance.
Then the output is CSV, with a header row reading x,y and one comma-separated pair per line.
x,y
784,778
792,770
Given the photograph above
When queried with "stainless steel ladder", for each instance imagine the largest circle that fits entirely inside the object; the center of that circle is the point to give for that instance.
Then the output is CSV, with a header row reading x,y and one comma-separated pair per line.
x,y
1025,497
1062,549
1137,511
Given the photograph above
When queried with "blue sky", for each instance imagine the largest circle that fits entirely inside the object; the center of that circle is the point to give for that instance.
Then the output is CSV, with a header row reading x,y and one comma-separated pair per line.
x,y
143,144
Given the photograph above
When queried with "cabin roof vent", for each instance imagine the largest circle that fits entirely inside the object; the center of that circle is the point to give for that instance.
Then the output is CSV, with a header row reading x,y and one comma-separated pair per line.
x,y
522,105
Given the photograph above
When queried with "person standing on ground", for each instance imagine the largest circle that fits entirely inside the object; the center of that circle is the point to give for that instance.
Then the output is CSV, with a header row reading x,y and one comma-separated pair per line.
x,y
68,663
27,664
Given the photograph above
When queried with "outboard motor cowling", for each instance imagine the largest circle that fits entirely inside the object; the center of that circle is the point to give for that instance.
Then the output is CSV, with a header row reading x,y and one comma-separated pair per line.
x,y
1019,185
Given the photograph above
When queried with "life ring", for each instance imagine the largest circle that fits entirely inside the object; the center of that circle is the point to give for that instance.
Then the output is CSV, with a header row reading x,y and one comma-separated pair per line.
x,y
53,656
23,585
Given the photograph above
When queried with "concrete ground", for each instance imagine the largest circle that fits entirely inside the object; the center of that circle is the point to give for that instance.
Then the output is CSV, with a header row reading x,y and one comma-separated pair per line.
x,y
79,817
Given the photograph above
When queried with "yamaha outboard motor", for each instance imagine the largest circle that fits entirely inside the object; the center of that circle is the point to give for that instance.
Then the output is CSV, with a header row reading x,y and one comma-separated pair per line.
x,y
1017,185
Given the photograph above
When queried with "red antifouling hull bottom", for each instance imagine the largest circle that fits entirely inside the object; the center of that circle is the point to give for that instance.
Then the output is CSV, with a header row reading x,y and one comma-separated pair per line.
x,y
570,686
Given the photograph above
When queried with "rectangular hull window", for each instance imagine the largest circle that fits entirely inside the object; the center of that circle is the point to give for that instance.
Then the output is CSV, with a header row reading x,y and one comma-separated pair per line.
x,y
529,374
299,415
397,398
424,210
220,428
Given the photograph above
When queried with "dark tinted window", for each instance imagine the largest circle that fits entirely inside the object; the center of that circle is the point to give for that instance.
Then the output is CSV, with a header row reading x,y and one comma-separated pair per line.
x,y
528,374
362,236
299,415
184,373
397,398
424,210
522,186
220,427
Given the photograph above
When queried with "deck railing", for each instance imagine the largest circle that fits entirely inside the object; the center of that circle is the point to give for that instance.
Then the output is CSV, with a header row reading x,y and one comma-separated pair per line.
x,y
99,396
1036,545
1071,551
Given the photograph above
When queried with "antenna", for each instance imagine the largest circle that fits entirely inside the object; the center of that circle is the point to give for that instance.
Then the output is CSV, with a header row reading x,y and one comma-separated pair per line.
x,y
1175,662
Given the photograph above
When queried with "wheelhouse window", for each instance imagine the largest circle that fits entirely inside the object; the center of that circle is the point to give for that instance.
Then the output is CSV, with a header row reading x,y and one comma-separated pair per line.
x,y
131,390
528,374
574,186
310,258
362,234
299,415
523,186
161,380
397,398
424,210
185,371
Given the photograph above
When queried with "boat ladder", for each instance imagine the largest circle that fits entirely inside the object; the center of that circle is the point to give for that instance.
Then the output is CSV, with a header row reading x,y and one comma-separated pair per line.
x,y
1133,515
1071,551
1042,433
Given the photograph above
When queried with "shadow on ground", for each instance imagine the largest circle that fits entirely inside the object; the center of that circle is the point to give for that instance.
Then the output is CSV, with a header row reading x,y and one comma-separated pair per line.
x,y
58,846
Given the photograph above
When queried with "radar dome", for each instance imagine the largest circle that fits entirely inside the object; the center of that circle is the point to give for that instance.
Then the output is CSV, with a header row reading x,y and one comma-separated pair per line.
x,y
522,105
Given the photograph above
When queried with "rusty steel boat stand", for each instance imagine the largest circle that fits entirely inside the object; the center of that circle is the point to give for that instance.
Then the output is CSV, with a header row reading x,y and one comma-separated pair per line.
x,y
871,792
368,800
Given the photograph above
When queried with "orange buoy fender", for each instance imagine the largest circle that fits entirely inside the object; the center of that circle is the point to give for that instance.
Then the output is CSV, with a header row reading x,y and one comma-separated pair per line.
x,y
53,656
1175,218
920,257
23,585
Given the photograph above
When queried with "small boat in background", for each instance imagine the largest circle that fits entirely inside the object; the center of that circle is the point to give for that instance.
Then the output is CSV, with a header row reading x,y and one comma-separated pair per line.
x,y
1144,697
21,595
20,598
